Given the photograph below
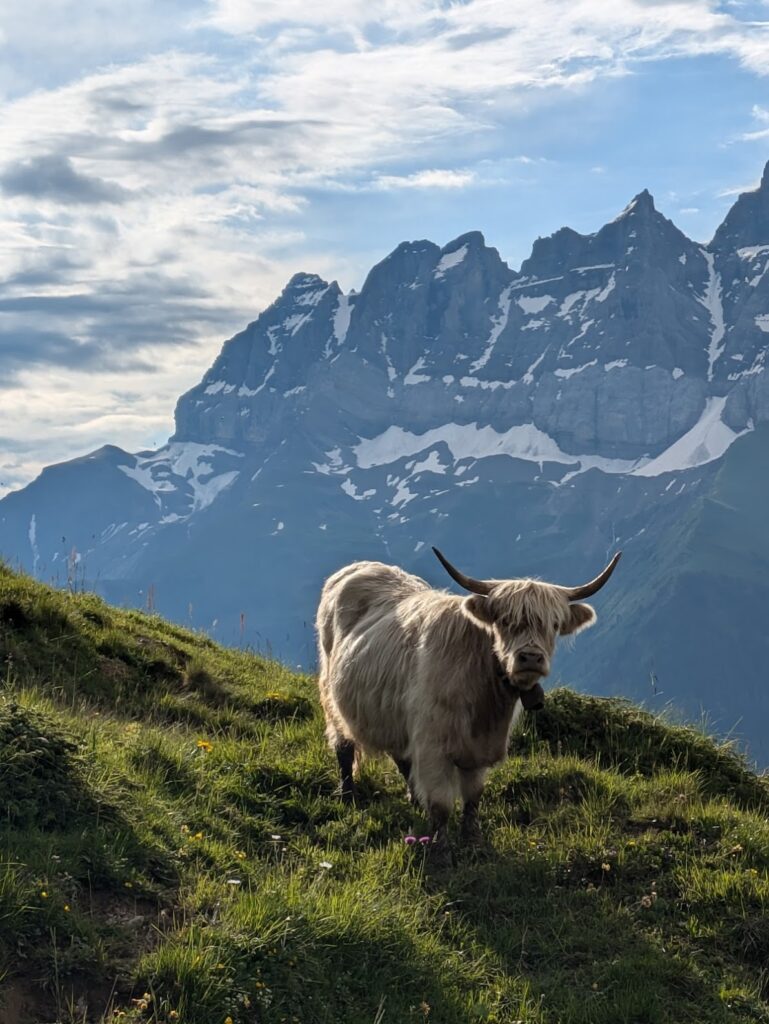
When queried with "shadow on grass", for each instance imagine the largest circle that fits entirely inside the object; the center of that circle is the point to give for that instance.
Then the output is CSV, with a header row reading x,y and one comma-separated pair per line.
x,y
323,956
591,956
72,839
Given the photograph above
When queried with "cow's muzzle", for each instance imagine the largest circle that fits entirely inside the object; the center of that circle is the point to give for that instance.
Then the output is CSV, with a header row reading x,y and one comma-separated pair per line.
x,y
530,661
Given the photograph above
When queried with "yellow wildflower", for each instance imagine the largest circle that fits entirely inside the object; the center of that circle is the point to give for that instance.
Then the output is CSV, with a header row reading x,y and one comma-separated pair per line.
x,y
198,835
228,1020
173,1015
205,746
240,854
43,895
66,908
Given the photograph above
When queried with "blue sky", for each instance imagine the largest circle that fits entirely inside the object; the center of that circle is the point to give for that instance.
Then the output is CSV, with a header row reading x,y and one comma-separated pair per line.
x,y
166,166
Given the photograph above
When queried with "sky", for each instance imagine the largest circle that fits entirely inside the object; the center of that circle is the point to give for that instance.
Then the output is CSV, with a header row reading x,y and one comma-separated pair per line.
x,y
167,165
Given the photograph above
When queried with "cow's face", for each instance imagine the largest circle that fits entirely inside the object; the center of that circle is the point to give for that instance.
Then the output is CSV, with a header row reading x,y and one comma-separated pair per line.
x,y
525,618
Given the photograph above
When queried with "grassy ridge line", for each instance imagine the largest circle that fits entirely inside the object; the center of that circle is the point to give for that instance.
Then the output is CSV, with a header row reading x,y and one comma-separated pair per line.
x,y
172,849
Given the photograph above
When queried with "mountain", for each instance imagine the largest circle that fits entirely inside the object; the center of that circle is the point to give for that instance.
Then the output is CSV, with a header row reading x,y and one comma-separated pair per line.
x,y
609,394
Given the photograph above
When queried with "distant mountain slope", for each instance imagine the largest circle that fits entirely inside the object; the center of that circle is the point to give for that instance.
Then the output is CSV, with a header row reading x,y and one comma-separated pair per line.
x,y
612,393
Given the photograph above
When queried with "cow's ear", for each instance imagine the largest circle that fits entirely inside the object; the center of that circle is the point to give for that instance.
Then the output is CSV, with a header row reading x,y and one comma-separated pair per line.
x,y
580,617
479,608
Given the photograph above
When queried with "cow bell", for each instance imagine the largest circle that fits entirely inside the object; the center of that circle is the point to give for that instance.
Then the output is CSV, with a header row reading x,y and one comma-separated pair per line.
x,y
533,699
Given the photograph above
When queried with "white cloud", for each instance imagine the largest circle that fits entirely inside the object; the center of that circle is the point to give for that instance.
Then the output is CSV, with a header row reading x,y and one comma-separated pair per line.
x,y
737,190
426,179
761,116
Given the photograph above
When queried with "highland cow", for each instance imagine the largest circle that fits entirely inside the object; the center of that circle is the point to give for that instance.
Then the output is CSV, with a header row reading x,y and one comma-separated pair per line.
x,y
434,679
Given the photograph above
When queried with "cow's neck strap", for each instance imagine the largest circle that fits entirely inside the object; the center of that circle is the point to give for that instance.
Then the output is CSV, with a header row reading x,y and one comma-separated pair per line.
x,y
504,680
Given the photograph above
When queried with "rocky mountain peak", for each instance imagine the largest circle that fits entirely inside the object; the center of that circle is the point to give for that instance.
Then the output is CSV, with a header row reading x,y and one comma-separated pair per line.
x,y
639,236
747,223
641,205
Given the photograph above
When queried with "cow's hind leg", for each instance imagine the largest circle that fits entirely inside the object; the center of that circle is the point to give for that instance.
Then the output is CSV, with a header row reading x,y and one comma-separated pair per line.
x,y
342,745
345,755
404,767
471,785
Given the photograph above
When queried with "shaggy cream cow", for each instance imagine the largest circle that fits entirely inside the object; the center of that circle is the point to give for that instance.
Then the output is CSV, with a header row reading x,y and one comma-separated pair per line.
x,y
433,679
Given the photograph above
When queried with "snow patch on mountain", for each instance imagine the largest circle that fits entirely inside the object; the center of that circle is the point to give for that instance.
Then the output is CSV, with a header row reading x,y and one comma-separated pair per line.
x,y
603,295
707,440
414,376
349,488
487,385
712,302
533,303
749,252
191,463
311,298
451,259
528,377
471,441
576,369
432,464
342,315
498,324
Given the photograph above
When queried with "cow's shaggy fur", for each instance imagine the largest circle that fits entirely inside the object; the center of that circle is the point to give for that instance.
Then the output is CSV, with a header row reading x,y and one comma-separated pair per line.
x,y
431,678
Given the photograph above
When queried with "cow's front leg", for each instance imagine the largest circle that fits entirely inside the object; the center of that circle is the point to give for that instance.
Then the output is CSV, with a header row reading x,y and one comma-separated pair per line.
x,y
471,832
434,778
345,755
471,784
440,851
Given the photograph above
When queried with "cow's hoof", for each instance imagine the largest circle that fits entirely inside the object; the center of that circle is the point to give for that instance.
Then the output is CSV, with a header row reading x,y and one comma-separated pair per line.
x,y
471,832
439,856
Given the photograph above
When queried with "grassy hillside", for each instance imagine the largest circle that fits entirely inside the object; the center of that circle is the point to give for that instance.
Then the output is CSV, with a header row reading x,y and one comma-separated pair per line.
x,y
171,849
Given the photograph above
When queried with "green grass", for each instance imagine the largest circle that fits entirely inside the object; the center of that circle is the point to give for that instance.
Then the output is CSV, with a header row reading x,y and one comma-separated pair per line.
x,y
172,849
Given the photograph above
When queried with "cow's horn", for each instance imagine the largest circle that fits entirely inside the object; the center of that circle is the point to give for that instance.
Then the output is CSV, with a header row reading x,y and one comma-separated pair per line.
x,y
474,586
580,593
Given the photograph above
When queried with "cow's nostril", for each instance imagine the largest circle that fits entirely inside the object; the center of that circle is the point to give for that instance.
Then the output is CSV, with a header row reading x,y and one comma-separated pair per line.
x,y
530,659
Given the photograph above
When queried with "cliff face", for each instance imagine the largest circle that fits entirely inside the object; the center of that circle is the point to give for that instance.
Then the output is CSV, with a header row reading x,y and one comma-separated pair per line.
x,y
610,394
610,343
